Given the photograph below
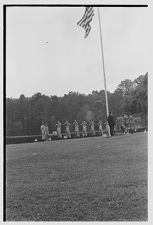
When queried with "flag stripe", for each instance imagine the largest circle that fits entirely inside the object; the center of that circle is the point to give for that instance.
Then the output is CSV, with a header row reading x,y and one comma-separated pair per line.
x,y
88,12
87,30
86,19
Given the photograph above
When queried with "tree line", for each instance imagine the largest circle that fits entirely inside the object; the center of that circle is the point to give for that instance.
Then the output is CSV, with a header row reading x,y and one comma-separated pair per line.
x,y
25,114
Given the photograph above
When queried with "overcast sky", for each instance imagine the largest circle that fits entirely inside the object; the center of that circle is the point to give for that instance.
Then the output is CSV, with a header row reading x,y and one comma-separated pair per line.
x,y
46,51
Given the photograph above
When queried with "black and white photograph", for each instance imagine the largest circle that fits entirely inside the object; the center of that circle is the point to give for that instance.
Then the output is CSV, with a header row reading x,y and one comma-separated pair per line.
x,y
75,111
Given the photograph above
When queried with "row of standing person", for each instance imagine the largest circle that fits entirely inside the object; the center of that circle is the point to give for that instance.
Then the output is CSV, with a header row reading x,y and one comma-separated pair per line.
x,y
45,131
109,128
76,128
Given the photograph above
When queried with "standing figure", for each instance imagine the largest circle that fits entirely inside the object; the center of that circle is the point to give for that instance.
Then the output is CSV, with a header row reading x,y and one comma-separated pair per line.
x,y
46,132
131,121
126,120
42,129
92,127
107,129
76,128
84,129
58,125
100,127
111,123
67,129
123,128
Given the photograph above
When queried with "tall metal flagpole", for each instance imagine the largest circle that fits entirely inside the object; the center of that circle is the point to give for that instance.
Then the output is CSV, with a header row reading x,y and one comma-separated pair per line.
x,y
102,54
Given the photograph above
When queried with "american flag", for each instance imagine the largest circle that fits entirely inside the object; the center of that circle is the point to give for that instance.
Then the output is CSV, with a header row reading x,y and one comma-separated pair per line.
x,y
86,19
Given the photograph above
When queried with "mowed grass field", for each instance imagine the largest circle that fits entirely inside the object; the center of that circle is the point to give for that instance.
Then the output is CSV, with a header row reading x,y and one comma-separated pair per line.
x,y
90,179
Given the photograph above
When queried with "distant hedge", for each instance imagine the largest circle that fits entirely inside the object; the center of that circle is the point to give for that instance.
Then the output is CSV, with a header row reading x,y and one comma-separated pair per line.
x,y
32,138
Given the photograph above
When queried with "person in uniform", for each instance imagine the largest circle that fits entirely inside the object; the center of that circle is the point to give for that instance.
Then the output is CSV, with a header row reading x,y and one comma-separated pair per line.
x,y
46,132
111,123
131,121
92,127
84,129
107,129
100,127
123,128
58,127
76,128
42,129
126,120
67,129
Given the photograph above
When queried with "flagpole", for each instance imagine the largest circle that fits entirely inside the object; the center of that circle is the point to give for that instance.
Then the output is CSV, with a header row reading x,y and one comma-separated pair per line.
x,y
103,64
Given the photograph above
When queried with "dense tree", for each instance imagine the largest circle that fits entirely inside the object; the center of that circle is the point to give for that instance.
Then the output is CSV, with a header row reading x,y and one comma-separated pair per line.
x,y
137,101
125,87
24,115
133,95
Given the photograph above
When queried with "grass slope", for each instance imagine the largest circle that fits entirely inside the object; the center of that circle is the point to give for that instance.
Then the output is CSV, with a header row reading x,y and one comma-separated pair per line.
x,y
91,179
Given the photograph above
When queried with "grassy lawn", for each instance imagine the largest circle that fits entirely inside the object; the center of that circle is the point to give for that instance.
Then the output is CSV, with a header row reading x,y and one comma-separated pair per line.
x,y
90,179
